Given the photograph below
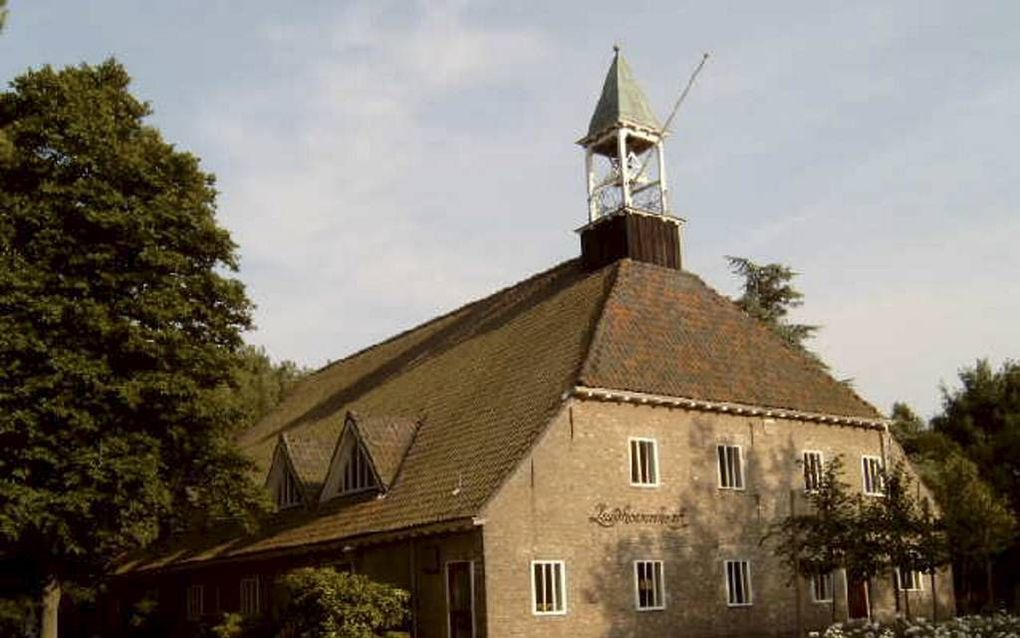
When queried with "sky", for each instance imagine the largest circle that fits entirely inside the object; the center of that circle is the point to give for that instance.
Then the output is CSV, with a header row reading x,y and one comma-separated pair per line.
x,y
380,162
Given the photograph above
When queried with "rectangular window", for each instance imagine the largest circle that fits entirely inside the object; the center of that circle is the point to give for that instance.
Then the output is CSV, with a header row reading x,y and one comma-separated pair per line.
x,y
196,602
821,588
251,603
909,580
812,470
289,494
357,475
644,462
731,467
648,587
738,583
548,587
871,467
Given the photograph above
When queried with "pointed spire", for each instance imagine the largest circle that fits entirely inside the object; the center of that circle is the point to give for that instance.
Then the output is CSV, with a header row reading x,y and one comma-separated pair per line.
x,y
622,101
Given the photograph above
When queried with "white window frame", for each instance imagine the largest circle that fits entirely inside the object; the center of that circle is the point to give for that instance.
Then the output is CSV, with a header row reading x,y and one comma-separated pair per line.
x,y
831,587
871,478
917,579
819,469
745,574
195,594
560,595
741,475
250,597
658,584
634,443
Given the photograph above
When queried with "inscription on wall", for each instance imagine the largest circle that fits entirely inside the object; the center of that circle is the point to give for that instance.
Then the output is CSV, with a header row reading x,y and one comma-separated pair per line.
x,y
605,516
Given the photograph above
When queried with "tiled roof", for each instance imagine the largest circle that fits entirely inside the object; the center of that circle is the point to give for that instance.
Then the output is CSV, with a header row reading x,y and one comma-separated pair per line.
x,y
387,440
484,381
310,459
666,332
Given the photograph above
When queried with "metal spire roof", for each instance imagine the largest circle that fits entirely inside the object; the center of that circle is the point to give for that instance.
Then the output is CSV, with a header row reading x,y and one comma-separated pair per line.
x,y
622,101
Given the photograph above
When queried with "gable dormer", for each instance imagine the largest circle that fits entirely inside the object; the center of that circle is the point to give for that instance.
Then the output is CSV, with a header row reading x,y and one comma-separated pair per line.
x,y
295,476
368,455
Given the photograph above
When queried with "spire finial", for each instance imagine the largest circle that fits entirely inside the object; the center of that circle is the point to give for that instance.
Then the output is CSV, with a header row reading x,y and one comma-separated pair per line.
x,y
616,48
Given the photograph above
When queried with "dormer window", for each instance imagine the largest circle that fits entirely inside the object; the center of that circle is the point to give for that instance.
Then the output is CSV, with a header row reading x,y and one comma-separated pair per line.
x,y
288,492
357,472
368,455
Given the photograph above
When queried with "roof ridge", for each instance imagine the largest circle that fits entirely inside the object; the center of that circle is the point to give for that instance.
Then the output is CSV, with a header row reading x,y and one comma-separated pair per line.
x,y
450,313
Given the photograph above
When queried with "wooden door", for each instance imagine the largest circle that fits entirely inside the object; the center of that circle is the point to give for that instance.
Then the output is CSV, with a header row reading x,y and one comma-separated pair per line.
x,y
857,599
460,599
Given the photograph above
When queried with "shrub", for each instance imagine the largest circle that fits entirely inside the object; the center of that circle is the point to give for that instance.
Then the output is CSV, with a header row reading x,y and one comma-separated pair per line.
x,y
999,625
324,603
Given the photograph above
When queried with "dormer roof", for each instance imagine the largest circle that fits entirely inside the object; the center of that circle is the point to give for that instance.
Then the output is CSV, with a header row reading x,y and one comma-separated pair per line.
x,y
622,102
309,457
387,440
383,441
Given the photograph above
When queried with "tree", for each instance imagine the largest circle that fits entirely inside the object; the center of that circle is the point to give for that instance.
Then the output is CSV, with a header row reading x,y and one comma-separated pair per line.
x,y
769,296
260,384
908,531
3,13
982,417
325,602
978,522
815,542
120,329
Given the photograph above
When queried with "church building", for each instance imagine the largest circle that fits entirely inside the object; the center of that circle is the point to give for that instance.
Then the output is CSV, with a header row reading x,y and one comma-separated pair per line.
x,y
594,451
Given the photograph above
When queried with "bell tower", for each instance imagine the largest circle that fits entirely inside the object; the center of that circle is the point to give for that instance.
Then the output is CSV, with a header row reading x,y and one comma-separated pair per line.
x,y
629,211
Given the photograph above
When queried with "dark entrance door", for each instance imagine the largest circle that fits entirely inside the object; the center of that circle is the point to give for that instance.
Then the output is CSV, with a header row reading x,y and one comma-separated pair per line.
x,y
460,599
857,599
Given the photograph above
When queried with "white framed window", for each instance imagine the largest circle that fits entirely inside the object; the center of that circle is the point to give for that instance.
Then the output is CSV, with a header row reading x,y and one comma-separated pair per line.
x,y
731,467
738,583
357,472
548,587
871,470
649,590
821,588
813,467
289,492
644,462
251,602
909,580
195,601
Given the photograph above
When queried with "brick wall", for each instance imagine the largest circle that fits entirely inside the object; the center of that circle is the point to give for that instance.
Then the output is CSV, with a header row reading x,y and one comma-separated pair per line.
x,y
582,461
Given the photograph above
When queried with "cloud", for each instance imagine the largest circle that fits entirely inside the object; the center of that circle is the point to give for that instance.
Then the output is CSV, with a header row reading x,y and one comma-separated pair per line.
x,y
344,187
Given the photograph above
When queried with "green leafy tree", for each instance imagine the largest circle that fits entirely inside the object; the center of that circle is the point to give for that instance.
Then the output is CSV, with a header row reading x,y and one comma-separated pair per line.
x,y
260,384
325,603
982,416
768,295
120,328
815,542
979,523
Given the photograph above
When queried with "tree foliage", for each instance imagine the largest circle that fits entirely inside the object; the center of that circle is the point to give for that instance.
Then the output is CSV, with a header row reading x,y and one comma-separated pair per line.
x,y
120,329
983,417
864,535
768,295
325,603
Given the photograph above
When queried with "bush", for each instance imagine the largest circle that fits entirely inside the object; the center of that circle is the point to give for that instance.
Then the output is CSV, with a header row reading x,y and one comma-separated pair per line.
x,y
324,603
999,625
